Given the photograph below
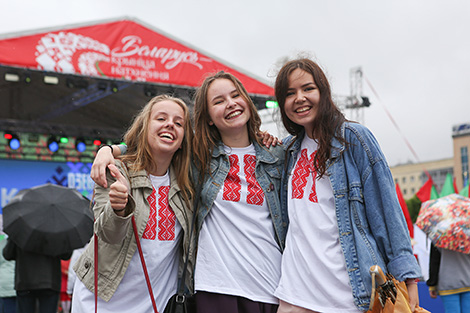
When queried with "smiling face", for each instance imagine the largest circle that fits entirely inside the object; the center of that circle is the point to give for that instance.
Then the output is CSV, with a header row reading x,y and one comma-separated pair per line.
x,y
166,128
302,99
228,110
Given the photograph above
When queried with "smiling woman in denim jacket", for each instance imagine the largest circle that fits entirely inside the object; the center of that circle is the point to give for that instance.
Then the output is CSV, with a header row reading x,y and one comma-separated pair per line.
x,y
344,215
240,224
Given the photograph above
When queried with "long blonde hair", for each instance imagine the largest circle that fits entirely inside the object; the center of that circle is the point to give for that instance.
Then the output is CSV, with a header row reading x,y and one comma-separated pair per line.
x,y
207,136
139,156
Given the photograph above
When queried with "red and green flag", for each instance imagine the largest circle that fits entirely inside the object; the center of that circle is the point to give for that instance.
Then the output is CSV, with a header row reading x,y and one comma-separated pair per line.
x,y
404,208
427,191
448,187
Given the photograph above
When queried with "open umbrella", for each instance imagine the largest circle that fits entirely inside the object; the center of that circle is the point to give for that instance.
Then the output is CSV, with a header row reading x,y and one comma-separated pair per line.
x,y
48,219
446,221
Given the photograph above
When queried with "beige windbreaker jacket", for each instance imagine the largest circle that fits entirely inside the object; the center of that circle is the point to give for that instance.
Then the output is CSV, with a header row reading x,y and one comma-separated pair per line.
x,y
116,242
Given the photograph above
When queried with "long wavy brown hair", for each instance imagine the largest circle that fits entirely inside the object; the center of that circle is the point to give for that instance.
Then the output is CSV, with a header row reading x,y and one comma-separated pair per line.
x,y
328,119
206,136
139,157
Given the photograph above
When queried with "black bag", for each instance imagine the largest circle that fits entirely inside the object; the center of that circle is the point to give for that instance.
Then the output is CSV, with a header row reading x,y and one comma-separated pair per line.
x,y
180,304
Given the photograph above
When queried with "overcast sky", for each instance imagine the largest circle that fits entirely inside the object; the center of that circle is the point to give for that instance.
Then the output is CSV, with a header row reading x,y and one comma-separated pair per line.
x,y
415,53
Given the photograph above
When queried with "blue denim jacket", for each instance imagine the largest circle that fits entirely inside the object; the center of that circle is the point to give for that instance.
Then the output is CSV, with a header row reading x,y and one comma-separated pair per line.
x,y
268,171
372,227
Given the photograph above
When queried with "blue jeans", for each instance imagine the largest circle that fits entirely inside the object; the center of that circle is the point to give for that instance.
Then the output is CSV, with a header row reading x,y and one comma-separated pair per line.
x,y
46,300
457,303
8,305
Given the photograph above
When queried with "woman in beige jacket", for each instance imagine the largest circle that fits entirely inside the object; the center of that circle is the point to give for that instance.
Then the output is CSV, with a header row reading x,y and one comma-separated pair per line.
x,y
151,184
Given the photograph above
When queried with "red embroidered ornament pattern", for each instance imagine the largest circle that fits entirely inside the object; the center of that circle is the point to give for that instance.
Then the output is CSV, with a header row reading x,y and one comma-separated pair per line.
x,y
232,183
166,217
302,170
232,186
255,193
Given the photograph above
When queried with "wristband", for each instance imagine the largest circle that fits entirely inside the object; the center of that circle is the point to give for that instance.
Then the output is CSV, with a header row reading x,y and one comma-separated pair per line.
x,y
105,145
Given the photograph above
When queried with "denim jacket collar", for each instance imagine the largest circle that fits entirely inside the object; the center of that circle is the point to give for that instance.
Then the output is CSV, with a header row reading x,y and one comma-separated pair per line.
x,y
336,146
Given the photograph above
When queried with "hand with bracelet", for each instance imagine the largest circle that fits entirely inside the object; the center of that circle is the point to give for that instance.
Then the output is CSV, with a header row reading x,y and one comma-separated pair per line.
x,y
104,157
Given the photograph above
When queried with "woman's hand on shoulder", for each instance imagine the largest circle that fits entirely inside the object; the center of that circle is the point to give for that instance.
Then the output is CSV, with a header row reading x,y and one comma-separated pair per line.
x,y
103,158
268,139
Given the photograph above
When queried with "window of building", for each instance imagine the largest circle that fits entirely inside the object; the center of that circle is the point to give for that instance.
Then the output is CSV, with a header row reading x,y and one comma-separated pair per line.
x,y
403,179
412,179
464,161
404,191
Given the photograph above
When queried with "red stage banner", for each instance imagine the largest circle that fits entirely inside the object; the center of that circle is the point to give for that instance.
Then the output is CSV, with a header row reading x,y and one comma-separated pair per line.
x,y
121,50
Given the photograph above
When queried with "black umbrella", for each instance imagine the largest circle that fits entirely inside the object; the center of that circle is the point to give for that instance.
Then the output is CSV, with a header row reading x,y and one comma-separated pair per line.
x,y
48,219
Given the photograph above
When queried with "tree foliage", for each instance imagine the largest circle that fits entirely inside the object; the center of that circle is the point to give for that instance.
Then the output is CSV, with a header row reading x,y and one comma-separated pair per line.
x,y
413,204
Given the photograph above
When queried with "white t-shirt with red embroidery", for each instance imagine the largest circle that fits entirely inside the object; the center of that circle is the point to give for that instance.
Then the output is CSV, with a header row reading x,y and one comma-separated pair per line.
x,y
237,252
314,272
160,244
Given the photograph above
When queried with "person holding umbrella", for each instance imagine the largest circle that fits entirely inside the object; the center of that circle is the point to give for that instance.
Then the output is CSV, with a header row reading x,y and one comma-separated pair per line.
x,y
449,277
37,278
44,224
148,191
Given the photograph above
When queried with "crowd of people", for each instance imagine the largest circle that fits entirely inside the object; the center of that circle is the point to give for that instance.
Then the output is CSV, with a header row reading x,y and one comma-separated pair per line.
x,y
291,227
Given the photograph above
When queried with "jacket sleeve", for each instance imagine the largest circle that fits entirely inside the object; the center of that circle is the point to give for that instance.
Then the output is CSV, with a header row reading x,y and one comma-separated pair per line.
x,y
384,216
434,264
9,251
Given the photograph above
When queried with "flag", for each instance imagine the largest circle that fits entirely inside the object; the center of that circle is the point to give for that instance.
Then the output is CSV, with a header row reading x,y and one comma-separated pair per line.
x,y
404,208
448,187
434,194
456,190
427,191
464,192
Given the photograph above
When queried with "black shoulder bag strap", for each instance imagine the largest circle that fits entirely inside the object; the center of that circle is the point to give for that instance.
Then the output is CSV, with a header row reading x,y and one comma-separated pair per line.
x,y
178,303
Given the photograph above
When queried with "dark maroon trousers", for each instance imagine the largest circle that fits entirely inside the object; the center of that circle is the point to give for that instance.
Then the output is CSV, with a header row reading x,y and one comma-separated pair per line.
x,y
207,302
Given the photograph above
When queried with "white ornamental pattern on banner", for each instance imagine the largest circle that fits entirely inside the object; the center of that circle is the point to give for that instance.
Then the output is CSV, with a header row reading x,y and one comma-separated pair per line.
x,y
67,52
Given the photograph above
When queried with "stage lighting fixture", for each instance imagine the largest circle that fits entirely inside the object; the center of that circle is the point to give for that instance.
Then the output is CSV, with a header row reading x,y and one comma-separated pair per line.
x,y
80,145
64,139
365,102
270,104
51,80
97,142
27,78
12,77
53,144
13,140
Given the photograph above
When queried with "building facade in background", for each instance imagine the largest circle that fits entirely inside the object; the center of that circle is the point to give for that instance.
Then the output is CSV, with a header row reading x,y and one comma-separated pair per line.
x,y
411,177
461,139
